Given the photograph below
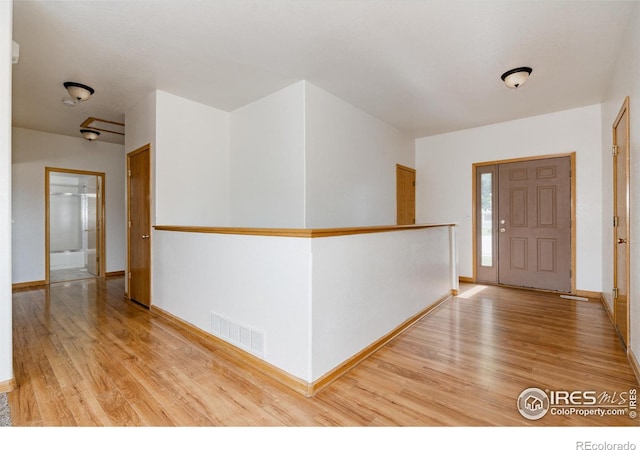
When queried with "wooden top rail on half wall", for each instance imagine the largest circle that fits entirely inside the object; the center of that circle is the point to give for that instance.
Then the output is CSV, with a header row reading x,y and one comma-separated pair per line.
x,y
298,232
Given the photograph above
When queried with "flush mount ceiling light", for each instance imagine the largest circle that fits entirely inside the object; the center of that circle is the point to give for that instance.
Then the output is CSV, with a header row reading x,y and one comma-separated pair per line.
x,y
90,135
515,78
78,92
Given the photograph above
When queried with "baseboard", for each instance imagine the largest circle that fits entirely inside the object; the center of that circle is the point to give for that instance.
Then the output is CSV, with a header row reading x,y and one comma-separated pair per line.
x,y
28,284
589,294
605,305
8,386
633,361
239,356
349,364
578,292
117,273
634,364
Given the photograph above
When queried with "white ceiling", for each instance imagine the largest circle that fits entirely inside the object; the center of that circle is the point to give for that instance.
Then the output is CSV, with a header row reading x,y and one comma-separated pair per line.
x,y
426,67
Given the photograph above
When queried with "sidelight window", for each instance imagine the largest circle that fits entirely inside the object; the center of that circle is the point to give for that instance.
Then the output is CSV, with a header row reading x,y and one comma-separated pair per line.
x,y
486,216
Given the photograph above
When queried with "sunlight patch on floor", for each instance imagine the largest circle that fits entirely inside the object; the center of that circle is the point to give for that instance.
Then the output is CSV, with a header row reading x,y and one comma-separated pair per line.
x,y
471,292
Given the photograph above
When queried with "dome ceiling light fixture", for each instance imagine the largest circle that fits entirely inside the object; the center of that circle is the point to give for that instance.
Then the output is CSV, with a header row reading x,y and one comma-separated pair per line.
x,y
79,92
90,135
515,78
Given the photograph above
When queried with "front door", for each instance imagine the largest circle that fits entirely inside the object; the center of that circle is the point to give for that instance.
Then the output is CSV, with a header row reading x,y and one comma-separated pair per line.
x,y
523,223
534,222
139,224
621,222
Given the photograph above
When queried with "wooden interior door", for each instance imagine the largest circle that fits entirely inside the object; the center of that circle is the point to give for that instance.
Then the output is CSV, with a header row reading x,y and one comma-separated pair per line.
x,y
534,226
621,222
405,195
139,225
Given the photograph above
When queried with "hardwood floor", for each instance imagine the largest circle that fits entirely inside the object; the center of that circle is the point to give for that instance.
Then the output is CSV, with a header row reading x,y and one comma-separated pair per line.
x,y
86,357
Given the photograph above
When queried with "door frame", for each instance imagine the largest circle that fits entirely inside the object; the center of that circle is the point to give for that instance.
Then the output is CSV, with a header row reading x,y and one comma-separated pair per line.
x,y
624,109
474,211
135,152
101,223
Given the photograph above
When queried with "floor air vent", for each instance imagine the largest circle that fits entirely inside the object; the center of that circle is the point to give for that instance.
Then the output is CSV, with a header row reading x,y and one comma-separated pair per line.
x,y
239,335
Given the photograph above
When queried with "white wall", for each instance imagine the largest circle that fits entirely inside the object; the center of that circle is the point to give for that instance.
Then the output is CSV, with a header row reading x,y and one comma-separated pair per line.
x,y
6,43
303,158
32,152
267,161
254,281
350,163
366,285
192,163
140,123
316,301
444,174
625,81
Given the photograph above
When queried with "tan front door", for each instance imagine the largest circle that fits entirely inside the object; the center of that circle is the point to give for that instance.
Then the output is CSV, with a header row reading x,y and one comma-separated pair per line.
x,y
534,224
139,237
405,195
621,222
522,222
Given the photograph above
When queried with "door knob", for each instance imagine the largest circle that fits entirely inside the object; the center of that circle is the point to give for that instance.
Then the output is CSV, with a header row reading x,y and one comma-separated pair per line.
x,y
622,241
145,236
502,230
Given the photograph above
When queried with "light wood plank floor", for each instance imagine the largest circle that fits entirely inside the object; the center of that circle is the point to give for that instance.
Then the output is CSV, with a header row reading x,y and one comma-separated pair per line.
x,y
85,357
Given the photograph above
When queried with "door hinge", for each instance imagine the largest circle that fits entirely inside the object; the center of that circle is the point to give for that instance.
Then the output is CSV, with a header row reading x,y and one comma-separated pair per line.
x,y
129,172
614,150
129,275
129,224
414,184
615,293
615,221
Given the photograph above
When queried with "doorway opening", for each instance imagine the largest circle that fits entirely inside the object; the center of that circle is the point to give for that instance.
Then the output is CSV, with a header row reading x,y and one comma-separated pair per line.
x,y
524,222
74,216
